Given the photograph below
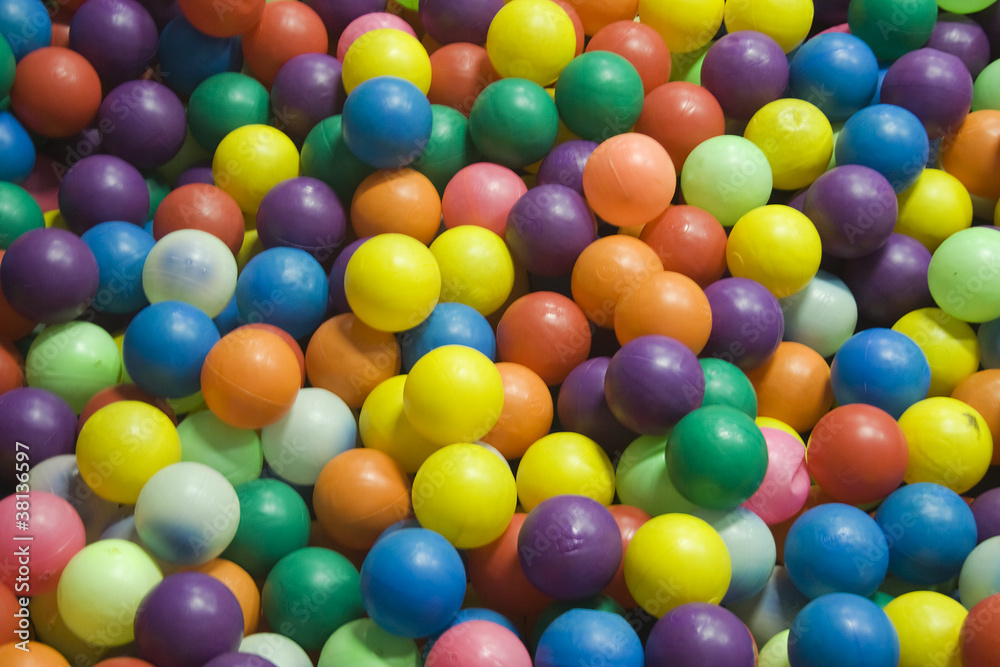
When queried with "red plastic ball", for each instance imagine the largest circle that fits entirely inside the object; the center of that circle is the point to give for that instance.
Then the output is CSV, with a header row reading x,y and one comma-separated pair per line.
x,y
496,575
629,520
56,92
547,332
11,367
285,30
681,115
459,72
227,19
980,636
203,207
688,240
639,44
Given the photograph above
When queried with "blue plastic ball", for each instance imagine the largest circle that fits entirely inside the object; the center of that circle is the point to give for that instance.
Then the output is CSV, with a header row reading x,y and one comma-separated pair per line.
x,y
285,287
387,122
842,630
579,636
188,56
120,249
836,548
412,582
17,150
26,24
835,71
448,324
930,529
887,138
880,367
229,318
165,347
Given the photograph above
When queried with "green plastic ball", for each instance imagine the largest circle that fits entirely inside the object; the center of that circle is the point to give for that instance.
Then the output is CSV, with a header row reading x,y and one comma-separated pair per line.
x,y
223,102
599,602
7,66
325,156
74,360
642,480
514,122
728,176
716,457
890,27
726,384
986,91
964,6
449,149
964,275
311,593
274,522
361,643
19,213
158,189
599,94
234,452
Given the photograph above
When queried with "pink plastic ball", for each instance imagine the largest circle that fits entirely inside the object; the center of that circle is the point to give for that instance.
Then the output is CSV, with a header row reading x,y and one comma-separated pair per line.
x,y
366,23
786,483
481,194
32,566
478,644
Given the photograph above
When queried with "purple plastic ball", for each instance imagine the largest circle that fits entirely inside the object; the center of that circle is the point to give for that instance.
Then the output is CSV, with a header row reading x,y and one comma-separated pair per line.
x,y
548,228
964,38
744,71
39,420
747,322
985,509
307,89
448,21
652,382
196,174
934,85
126,24
570,547
239,660
891,281
338,298
989,19
188,619
337,14
49,275
146,123
103,188
698,634
302,213
564,164
583,407
162,11
854,210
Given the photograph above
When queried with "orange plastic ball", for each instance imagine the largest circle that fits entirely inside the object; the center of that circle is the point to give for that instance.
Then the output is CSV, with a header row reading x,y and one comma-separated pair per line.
x,y
639,44
40,655
459,72
359,494
668,304
973,154
527,411
241,584
56,92
287,337
228,19
547,332
629,179
496,575
689,240
285,30
606,271
793,386
629,519
349,358
11,367
982,392
250,378
401,201
596,14
201,206
681,115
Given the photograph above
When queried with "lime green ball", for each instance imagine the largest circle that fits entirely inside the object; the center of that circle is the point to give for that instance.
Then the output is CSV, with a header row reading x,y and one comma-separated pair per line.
x,y
986,91
599,94
687,66
728,176
7,67
236,453
514,122
642,480
274,522
599,602
311,593
361,643
325,156
223,102
19,213
964,6
726,384
74,360
891,28
449,149
963,275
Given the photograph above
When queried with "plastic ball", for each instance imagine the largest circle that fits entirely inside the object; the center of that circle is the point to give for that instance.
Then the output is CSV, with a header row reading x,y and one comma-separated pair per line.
x,y
579,634
667,304
460,72
751,547
891,281
448,324
745,70
307,89
47,77
152,131
984,91
959,274
979,391
482,195
20,213
250,378
525,22
785,489
188,55
750,252
56,535
564,464
192,266
641,45
728,176
825,298
383,425
223,103
545,331
889,139
74,360
837,72
935,420
240,458
285,287
204,207
386,122
478,643
639,198
240,17
275,648
928,624
274,522
101,589
362,642
128,25
787,23
950,345
514,140
565,164
680,115
726,384
548,228
449,148
608,270
120,249
40,420
643,480
964,38
912,29
527,411
366,23
387,52
599,94
697,633
379,198
251,160
49,275
883,368
854,209
8,67
18,148
102,188
734,302
977,581
793,385
971,155
281,34
845,630
684,26
941,190
934,85
978,638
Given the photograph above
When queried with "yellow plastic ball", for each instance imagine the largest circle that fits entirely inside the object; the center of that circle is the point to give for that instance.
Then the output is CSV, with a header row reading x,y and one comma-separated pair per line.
x,y
476,267
934,208
122,445
777,246
466,493
949,441
771,422
564,463
531,39
453,394
674,559
796,138
786,21
686,25
392,282
387,52
383,425
101,588
928,624
950,345
251,160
